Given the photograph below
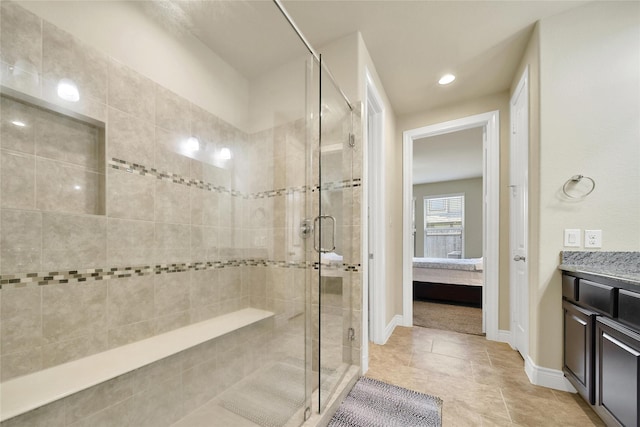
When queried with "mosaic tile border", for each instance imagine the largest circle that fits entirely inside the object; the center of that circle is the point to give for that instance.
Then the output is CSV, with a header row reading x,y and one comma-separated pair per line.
x,y
347,183
11,281
142,170
8,281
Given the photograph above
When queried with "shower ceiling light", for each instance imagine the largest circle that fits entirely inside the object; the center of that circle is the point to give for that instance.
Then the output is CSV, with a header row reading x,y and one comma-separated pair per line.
x,y
18,123
193,144
68,90
446,79
225,154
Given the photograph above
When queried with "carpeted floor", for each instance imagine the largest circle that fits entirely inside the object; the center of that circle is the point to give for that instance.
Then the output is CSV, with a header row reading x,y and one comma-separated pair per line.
x,y
457,318
373,403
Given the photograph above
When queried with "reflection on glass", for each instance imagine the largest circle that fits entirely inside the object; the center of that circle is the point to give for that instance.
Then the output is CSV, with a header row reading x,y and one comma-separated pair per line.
x,y
225,154
193,144
68,90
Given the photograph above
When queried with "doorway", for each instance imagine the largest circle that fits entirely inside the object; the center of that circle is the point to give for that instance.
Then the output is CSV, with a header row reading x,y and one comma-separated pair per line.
x,y
490,229
448,259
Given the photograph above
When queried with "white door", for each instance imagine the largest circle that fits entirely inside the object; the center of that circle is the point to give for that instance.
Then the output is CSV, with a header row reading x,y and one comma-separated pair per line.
x,y
519,171
376,217
371,236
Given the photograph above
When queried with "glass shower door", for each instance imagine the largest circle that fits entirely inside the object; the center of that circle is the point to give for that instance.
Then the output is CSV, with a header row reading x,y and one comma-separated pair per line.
x,y
334,242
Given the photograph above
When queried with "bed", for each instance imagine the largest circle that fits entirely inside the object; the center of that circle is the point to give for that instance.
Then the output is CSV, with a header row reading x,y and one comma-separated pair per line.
x,y
451,280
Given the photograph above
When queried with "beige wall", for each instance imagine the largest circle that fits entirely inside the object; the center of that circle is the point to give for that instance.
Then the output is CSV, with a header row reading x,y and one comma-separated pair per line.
x,y
500,102
341,57
279,96
589,110
126,33
348,58
271,99
472,189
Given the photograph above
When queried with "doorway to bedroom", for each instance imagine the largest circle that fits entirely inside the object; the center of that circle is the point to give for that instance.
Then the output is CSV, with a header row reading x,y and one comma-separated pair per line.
x,y
447,263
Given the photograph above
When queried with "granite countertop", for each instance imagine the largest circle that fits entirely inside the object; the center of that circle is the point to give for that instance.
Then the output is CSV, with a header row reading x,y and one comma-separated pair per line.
x,y
624,266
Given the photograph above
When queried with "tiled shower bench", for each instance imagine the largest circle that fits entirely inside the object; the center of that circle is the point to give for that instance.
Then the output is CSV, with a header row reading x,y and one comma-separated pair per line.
x,y
27,393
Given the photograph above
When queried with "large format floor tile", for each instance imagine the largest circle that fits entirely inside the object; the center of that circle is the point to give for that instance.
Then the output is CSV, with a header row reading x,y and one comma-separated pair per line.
x,y
482,383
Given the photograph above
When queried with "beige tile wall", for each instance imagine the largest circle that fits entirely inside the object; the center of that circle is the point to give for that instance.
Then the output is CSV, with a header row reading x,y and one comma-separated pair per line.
x,y
47,225
52,163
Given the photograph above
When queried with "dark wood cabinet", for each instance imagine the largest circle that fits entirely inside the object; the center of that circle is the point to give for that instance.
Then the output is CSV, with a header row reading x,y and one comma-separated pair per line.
x,y
579,349
618,373
629,308
602,345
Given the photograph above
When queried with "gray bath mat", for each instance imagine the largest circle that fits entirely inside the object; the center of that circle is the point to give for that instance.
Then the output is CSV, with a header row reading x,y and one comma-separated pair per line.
x,y
373,403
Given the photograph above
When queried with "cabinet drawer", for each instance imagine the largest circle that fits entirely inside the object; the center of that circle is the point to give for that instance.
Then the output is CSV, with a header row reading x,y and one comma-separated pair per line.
x,y
629,308
597,296
569,288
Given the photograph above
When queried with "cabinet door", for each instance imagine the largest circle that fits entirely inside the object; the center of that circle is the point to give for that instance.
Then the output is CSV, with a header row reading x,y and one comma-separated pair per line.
x,y
579,349
618,372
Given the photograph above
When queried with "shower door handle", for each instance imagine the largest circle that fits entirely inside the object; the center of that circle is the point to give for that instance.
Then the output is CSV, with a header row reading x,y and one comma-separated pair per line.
x,y
318,239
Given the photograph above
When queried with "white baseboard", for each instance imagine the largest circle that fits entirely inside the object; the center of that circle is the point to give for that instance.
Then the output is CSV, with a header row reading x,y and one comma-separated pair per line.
x,y
504,336
551,378
364,357
396,321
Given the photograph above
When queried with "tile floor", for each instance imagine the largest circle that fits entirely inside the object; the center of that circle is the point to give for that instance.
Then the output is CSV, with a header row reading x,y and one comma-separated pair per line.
x,y
482,383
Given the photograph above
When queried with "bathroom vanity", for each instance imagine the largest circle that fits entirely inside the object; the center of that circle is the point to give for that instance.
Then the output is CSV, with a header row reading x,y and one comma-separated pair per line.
x,y
601,305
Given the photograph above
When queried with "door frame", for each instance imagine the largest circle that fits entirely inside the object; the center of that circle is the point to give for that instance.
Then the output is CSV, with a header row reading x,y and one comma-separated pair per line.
x,y
374,288
521,88
491,213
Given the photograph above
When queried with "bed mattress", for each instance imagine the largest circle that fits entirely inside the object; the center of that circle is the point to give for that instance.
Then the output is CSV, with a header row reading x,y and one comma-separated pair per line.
x,y
449,271
466,264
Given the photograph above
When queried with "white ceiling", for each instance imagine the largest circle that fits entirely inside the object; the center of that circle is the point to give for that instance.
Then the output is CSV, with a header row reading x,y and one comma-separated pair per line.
x,y
412,43
448,157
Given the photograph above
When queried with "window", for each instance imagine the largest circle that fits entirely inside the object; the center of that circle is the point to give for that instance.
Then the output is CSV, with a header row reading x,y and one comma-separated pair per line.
x,y
444,226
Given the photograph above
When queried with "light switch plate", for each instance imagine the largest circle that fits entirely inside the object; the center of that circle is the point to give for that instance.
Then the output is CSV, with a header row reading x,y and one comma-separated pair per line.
x,y
592,238
572,238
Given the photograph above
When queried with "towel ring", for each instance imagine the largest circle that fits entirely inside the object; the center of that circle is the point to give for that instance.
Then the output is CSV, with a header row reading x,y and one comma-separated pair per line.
x,y
574,180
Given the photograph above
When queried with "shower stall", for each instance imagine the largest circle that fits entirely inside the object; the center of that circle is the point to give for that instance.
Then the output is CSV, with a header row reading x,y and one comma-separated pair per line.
x,y
179,217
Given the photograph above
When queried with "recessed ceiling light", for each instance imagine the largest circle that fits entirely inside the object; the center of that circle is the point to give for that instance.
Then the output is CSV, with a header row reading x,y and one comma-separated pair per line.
x,y
446,79
18,123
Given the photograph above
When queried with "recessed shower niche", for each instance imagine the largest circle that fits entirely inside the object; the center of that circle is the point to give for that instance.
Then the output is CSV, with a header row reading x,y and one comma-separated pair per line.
x,y
50,161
